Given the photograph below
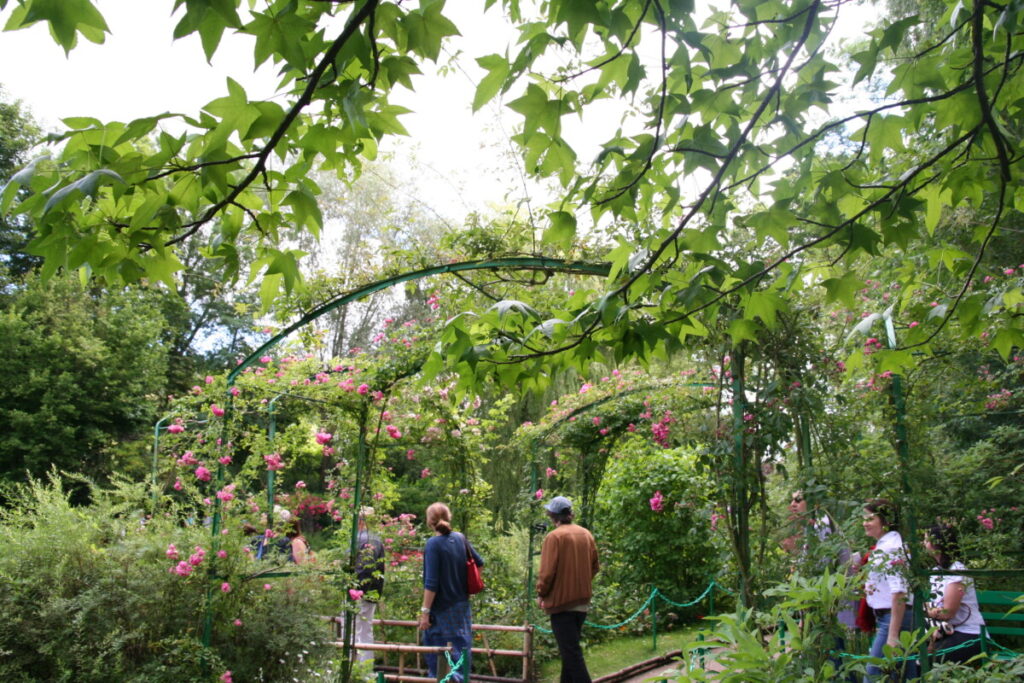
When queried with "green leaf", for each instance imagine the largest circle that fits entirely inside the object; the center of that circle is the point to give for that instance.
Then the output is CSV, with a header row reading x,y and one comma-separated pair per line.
x,y
498,70
65,17
843,289
742,329
562,232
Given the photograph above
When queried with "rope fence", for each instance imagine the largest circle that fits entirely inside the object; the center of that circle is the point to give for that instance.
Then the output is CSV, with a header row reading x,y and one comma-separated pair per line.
x,y
652,603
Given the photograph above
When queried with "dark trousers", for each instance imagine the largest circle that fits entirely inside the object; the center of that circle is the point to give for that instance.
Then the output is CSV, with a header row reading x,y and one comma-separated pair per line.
x,y
566,627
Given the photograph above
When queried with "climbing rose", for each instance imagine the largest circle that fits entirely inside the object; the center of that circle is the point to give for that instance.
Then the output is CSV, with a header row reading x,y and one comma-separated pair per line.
x,y
274,462
175,429
216,410
222,554
224,460
656,501
300,484
209,379
424,473
235,391
183,568
267,586
226,677
393,432
539,494
225,494
172,552
355,594
265,359
225,587
238,622
177,485
363,389
323,438
551,472
203,474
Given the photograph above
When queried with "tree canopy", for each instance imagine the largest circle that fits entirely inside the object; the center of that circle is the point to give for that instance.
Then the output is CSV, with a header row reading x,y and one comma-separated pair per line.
x,y
794,192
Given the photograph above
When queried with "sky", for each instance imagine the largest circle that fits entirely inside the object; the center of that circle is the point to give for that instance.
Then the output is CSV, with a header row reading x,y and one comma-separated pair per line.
x,y
141,71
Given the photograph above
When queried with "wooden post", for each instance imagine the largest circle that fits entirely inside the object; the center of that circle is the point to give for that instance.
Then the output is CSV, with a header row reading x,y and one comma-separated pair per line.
x,y
528,659
490,655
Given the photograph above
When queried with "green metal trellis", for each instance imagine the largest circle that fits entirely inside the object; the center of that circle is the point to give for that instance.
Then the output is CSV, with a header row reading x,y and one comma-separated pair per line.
x,y
542,264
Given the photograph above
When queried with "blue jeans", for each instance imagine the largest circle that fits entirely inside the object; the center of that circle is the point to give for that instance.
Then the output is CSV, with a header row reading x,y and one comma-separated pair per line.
x,y
904,670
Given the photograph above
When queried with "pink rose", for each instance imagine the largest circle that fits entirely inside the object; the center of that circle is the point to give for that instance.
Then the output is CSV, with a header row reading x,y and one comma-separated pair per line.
x,y
355,594
323,438
175,429
172,552
203,474
225,587
216,410
363,389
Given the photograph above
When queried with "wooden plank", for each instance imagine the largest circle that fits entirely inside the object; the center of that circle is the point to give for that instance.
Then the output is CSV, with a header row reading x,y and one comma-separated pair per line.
x,y
1000,597
1002,616
476,627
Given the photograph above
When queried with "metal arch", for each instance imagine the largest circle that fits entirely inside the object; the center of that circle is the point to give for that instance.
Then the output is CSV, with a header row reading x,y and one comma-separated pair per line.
x,y
510,263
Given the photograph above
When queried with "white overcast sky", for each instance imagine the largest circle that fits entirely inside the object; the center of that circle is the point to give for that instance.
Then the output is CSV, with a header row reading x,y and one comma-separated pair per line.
x,y
140,71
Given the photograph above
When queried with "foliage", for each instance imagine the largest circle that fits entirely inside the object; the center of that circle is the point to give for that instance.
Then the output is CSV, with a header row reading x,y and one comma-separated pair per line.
x,y
736,103
653,522
82,371
90,596
18,133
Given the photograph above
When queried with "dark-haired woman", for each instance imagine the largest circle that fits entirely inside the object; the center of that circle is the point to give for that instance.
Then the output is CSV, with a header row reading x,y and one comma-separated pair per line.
x,y
954,600
886,589
445,616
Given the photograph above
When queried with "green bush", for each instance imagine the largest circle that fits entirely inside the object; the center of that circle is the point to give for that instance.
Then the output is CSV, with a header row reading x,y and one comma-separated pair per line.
x,y
653,529
91,595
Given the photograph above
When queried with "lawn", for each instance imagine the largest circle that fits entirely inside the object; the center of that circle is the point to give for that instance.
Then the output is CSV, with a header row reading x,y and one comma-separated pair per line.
x,y
612,655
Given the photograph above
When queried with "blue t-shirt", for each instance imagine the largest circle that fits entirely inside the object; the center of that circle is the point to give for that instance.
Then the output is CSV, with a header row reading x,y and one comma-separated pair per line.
x,y
444,568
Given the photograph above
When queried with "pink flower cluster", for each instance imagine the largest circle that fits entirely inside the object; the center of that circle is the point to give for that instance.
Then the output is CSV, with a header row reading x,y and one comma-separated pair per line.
x,y
393,432
203,474
871,345
660,430
274,462
323,438
227,493
657,501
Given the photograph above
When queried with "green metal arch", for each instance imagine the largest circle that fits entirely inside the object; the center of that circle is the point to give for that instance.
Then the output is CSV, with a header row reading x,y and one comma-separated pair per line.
x,y
511,263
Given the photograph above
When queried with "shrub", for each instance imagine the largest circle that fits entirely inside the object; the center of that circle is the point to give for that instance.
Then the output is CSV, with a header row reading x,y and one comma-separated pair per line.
x,y
92,595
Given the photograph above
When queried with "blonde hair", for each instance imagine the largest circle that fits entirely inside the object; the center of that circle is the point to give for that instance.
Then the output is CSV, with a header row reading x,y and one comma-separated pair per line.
x,y
439,518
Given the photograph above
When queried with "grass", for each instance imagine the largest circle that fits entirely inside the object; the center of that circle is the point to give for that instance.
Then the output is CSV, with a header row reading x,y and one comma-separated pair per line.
x,y
615,654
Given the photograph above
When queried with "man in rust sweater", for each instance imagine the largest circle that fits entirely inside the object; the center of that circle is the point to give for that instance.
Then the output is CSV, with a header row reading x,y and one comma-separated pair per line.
x,y
568,563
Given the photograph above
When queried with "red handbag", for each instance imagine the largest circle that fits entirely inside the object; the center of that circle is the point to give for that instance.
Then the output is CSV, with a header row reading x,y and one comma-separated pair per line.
x,y
474,581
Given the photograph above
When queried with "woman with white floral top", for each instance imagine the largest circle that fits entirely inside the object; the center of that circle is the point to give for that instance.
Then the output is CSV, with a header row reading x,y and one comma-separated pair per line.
x,y
886,589
954,600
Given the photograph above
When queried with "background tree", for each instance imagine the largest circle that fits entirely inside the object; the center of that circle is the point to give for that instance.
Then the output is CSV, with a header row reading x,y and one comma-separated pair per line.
x,y
85,375
18,133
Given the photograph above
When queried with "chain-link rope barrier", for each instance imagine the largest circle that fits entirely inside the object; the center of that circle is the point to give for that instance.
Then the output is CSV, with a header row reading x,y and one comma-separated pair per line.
x,y
656,594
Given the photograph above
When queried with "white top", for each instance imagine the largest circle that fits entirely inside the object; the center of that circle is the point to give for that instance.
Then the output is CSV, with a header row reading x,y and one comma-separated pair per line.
x,y
968,617
887,574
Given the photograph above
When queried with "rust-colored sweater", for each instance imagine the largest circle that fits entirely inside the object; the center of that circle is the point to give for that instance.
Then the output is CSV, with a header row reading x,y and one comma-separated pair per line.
x,y
568,563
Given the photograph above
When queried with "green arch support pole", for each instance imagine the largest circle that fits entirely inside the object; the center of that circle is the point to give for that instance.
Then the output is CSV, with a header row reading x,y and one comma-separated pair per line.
x,y
899,405
740,518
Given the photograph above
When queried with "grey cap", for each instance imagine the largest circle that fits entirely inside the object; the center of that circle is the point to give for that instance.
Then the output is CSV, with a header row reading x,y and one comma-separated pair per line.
x,y
559,505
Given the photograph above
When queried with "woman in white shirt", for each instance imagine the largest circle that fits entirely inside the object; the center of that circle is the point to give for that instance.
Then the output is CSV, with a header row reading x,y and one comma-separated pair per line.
x,y
886,589
954,600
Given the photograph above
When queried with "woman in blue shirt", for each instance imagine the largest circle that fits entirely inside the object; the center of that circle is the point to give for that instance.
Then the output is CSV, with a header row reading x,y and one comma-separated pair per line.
x,y
445,616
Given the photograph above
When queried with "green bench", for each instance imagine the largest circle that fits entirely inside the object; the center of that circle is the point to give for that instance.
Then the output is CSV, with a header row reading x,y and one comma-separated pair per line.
x,y
996,607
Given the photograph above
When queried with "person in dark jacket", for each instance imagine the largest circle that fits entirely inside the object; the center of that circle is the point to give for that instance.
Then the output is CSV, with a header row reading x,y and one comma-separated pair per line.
x,y
369,567
568,564
445,616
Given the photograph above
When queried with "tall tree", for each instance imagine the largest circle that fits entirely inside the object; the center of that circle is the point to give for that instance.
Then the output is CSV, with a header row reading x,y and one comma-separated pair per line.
x,y
84,373
18,132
